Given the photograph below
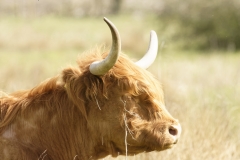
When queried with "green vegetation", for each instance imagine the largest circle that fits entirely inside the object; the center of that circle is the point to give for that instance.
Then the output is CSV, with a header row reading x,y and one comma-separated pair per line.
x,y
201,90
205,24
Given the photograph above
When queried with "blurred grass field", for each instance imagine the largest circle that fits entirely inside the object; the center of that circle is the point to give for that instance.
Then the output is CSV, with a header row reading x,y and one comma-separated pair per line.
x,y
201,89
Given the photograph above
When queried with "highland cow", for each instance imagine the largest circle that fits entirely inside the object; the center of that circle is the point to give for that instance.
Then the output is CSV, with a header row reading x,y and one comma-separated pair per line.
x,y
108,105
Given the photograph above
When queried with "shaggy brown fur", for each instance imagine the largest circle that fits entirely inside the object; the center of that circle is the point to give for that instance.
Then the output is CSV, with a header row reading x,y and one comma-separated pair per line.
x,y
77,115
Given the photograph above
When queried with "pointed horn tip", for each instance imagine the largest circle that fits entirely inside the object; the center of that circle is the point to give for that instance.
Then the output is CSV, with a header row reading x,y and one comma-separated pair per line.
x,y
106,20
109,23
153,35
153,32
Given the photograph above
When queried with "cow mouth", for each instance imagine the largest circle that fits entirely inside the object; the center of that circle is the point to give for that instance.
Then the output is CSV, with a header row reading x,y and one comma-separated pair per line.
x,y
150,145
135,150
157,142
161,148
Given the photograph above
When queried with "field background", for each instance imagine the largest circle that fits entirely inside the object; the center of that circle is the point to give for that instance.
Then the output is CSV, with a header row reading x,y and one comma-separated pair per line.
x,y
202,87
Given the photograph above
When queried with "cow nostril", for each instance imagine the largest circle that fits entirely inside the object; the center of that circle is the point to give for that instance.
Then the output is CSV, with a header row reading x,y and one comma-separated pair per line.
x,y
173,130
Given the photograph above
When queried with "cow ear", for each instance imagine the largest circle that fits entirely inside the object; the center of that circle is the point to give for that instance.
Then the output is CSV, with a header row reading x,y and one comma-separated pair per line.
x,y
70,78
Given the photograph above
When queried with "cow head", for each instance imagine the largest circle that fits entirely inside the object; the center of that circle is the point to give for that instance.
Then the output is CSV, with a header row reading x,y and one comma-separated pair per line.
x,y
122,102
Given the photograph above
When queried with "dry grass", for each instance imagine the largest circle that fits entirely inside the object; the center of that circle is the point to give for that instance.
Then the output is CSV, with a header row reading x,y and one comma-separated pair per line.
x,y
201,90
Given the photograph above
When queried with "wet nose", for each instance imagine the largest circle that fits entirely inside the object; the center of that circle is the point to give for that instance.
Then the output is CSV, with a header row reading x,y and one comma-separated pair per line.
x,y
175,131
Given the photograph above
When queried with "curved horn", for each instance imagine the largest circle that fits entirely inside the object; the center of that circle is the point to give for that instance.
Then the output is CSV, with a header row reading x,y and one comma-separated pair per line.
x,y
102,67
151,54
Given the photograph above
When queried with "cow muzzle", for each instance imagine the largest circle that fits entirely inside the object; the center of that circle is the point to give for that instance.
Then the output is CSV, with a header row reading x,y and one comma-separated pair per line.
x,y
174,131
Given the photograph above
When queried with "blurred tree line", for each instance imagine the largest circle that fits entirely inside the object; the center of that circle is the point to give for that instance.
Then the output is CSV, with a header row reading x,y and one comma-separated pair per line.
x,y
206,24
201,24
